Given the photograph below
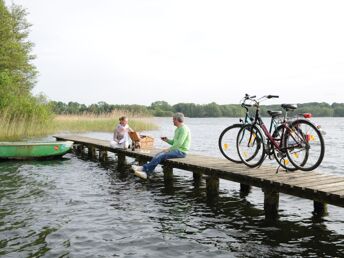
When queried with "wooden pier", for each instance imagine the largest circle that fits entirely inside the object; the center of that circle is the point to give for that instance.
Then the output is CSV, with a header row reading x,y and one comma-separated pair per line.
x,y
319,187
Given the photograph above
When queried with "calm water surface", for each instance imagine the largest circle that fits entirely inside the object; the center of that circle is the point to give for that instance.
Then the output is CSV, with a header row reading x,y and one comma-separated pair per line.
x,y
75,207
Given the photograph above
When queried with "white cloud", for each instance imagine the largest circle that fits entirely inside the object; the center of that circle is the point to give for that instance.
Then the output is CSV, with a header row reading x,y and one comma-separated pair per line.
x,y
188,51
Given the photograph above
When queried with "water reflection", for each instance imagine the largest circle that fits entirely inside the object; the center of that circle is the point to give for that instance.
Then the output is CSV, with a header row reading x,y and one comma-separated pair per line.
x,y
236,226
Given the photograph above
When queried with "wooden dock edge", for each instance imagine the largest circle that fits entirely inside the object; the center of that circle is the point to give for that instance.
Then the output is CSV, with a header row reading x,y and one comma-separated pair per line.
x,y
212,169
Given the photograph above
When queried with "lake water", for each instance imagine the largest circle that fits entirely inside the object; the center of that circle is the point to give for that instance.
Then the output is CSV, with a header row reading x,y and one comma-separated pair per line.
x,y
75,207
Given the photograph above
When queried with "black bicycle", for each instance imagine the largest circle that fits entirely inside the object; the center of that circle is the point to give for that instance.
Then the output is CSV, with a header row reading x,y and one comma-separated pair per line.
x,y
227,139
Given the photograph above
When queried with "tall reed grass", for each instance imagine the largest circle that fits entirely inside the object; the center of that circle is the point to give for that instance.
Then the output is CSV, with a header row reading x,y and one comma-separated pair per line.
x,y
102,123
18,127
15,127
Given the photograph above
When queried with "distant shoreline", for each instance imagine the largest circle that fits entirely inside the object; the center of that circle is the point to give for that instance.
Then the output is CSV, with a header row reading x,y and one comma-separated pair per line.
x,y
164,109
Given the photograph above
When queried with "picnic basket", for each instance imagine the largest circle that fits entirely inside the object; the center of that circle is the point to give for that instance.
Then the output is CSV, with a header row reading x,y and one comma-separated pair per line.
x,y
141,141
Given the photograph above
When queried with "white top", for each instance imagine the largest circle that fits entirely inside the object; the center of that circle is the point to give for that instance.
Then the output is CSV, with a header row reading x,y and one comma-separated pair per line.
x,y
120,134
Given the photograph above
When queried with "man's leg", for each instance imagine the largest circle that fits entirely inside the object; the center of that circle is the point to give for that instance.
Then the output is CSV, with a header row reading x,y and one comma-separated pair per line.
x,y
149,167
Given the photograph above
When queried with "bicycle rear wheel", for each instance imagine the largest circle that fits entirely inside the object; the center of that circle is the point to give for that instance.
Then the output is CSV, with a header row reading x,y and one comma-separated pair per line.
x,y
250,146
305,145
227,143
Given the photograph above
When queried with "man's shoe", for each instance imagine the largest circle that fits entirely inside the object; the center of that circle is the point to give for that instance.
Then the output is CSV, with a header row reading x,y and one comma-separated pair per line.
x,y
141,174
137,168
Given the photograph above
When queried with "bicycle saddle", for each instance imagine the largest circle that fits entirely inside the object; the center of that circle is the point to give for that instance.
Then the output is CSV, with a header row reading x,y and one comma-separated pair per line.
x,y
288,107
274,113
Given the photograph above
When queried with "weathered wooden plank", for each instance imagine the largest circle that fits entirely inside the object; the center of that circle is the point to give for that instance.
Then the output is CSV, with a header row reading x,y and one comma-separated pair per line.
x,y
285,179
330,187
272,172
331,190
304,180
316,182
339,192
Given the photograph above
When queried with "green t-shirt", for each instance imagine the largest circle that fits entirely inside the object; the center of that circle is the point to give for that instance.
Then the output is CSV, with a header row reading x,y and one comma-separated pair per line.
x,y
181,140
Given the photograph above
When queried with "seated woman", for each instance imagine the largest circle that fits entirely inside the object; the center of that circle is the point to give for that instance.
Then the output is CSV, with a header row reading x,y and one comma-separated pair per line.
x,y
120,135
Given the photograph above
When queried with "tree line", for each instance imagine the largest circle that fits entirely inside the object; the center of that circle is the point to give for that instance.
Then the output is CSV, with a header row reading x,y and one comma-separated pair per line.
x,y
164,109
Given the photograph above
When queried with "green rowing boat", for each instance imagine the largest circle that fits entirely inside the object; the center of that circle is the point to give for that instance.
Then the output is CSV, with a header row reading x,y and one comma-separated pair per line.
x,y
32,150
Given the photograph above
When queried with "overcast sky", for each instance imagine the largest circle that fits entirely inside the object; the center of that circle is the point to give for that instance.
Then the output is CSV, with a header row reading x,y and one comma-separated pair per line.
x,y
187,51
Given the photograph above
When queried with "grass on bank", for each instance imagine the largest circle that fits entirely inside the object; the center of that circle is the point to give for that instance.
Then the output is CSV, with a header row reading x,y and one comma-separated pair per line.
x,y
21,127
92,123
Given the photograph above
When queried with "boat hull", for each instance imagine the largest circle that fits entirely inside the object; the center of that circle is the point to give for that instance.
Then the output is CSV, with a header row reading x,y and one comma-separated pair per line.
x,y
24,150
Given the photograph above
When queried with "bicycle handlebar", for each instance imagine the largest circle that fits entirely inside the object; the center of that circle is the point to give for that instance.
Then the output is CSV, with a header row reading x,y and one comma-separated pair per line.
x,y
255,101
272,96
249,97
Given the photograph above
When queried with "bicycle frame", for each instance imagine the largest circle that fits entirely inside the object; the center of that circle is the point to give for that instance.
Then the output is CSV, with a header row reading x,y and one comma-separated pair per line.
x,y
268,133
247,118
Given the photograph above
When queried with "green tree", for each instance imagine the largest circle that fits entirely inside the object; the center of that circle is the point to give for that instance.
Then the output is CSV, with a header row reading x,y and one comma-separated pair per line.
x,y
338,109
212,110
17,73
161,105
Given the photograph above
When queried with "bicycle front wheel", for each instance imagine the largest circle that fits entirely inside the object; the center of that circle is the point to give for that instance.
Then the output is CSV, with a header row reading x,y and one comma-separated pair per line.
x,y
281,154
250,146
227,143
304,145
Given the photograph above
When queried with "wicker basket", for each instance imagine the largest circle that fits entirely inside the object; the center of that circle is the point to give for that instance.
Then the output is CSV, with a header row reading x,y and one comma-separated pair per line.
x,y
146,142
141,141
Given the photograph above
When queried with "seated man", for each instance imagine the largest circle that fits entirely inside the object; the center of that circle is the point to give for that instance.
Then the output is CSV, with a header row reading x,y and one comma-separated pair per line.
x,y
180,145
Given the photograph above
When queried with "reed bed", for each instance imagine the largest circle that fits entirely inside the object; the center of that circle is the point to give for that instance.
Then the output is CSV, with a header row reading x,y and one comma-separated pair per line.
x,y
23,127
102,123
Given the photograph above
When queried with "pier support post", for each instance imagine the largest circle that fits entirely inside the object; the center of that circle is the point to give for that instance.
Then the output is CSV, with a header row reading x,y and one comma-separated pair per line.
x,y
168,173
197,177
271,202
320,209
213,183
120,159
91,152
244,190
103,155
79,149
168,179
